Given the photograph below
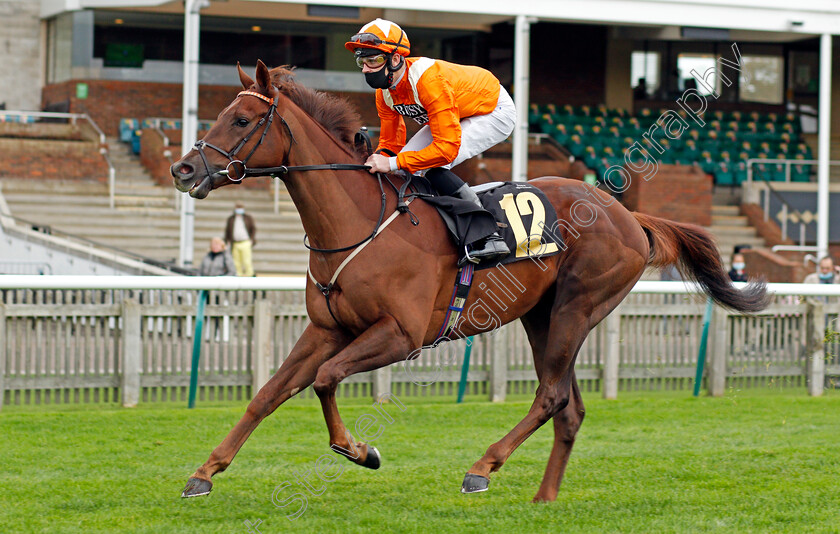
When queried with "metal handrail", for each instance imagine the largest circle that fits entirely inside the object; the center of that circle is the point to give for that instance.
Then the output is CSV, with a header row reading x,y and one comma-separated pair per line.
x,y
787,162
786,208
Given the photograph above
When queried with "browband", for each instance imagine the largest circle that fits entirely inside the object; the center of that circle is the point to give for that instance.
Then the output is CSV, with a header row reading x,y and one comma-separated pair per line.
x,y
258,95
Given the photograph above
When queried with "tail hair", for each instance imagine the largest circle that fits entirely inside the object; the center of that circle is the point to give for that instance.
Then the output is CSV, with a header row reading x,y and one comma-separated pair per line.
x,y
694,253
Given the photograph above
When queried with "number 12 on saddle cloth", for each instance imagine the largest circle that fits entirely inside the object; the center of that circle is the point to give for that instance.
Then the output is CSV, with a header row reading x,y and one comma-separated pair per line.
x,y
528,217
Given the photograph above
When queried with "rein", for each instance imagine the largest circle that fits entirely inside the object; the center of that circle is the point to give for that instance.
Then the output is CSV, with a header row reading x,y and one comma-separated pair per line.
x,y
237,170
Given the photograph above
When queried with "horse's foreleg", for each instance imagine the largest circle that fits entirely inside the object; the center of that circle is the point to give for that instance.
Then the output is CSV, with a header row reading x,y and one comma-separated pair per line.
x,y
297,372
382,344
566,425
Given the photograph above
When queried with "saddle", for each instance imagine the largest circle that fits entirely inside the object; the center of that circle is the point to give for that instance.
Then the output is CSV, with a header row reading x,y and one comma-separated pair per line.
x,y
518,211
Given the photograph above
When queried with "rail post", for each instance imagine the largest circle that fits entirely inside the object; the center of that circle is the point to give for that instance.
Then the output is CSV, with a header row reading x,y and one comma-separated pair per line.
x,y
2,353
816,347
263,319
612,353
381,382
498,364
717,361
132,349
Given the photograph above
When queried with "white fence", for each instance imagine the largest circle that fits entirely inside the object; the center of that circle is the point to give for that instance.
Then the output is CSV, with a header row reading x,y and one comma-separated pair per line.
x,y
67,339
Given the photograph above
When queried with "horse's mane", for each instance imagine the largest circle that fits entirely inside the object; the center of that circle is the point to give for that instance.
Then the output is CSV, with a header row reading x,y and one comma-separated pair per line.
x,y
335,114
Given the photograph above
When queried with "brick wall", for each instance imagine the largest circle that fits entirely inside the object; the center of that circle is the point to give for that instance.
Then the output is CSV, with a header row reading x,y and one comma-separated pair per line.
x,y
677,192
775,268
767,230
37,159
152,156
108,101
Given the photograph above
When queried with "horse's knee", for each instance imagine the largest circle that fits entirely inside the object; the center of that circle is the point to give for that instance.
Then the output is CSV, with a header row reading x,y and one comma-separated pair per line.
x,y
326,380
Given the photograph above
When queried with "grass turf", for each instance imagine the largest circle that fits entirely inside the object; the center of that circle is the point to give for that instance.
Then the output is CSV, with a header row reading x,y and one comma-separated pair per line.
x,y
754,461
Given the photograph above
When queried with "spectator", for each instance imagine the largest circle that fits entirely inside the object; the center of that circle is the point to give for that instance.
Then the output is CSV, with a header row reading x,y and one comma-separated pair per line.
x,y
737,273
827,273
217,262
241,233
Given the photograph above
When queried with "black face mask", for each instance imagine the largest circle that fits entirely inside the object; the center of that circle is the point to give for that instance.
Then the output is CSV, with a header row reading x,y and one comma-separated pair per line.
x,y
380,79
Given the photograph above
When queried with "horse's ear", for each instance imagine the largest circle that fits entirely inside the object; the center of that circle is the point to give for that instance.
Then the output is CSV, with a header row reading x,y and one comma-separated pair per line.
x,y
263,76
246,80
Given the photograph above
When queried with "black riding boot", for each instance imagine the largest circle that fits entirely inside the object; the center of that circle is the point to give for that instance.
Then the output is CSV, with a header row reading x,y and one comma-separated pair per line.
x,y
491,247
487,249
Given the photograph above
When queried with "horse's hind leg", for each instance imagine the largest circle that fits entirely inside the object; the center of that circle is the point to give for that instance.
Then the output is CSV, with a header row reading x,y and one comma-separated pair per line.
x,y
566,425
564,338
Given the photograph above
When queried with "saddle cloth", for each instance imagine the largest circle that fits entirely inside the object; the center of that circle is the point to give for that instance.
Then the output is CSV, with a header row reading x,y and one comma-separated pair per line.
x,y
521,214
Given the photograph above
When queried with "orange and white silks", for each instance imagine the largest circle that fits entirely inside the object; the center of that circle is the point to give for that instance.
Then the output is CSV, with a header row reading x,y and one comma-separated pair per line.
x,y
439,95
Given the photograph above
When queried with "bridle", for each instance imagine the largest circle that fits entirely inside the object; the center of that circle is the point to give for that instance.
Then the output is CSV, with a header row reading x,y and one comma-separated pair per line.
x,y
242,171
240,167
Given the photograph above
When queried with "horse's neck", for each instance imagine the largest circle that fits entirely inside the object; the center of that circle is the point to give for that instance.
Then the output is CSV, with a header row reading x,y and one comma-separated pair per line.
x,y
336,207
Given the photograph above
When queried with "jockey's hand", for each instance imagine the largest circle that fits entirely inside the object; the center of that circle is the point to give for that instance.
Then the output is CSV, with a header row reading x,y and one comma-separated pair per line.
x,y
378,163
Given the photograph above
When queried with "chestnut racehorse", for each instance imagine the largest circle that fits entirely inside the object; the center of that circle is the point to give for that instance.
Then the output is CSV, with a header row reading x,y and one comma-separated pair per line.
x,y
392,297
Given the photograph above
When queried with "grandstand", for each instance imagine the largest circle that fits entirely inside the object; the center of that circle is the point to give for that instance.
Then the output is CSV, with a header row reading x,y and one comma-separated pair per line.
x,y
597,79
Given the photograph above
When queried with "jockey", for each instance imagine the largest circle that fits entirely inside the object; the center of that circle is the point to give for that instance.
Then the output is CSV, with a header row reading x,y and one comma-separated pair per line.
x,y
464,111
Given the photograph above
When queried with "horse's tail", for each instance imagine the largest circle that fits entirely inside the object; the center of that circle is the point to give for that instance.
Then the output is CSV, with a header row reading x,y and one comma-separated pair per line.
x,y
692,249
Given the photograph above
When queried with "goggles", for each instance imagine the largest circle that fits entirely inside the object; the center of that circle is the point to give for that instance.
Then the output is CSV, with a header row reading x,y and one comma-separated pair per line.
x,y
373,39
373,62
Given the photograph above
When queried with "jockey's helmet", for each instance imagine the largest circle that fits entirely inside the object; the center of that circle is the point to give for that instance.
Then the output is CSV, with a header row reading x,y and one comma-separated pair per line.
x,y
379,36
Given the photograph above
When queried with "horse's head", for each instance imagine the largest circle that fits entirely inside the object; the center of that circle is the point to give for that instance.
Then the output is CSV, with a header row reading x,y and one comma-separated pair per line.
x,y
243,136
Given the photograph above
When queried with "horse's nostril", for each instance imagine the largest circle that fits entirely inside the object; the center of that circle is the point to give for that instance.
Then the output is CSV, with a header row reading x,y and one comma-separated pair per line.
x,y
182,170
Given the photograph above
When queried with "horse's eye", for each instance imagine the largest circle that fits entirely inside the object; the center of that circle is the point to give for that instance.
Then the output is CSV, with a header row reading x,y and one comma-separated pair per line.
x,y
242,122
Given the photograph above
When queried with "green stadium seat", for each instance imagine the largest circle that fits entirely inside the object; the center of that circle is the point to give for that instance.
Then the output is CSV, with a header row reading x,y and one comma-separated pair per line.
x,y
740,172
560,134
724,174
576,146
800,173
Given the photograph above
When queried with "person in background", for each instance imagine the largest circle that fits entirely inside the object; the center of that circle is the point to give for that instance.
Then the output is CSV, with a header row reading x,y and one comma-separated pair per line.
x,y
218,261
241,233
826,273
737,273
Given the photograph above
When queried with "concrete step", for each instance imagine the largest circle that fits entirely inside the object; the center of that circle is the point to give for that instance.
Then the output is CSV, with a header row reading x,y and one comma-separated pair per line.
x,y
733,231
721,210
730,220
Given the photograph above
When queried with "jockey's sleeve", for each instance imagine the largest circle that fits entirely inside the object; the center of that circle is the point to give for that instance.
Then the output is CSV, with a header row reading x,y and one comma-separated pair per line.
x,y
437,96
392,127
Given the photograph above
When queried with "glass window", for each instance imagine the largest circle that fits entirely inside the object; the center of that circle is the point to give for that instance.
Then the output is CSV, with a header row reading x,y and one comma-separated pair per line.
x,y
761,79
644,73
699,63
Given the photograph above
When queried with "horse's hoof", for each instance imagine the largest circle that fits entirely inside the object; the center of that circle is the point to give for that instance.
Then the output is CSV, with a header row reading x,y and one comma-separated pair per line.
x,y
474,483
197,487
374,459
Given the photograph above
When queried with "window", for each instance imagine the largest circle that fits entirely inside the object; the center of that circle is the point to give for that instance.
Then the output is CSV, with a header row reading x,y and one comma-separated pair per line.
x,y
644,70
761,79
699,63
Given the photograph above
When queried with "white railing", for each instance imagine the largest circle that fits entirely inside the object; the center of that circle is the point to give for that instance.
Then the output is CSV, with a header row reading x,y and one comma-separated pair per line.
x,y
66,338
786,162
